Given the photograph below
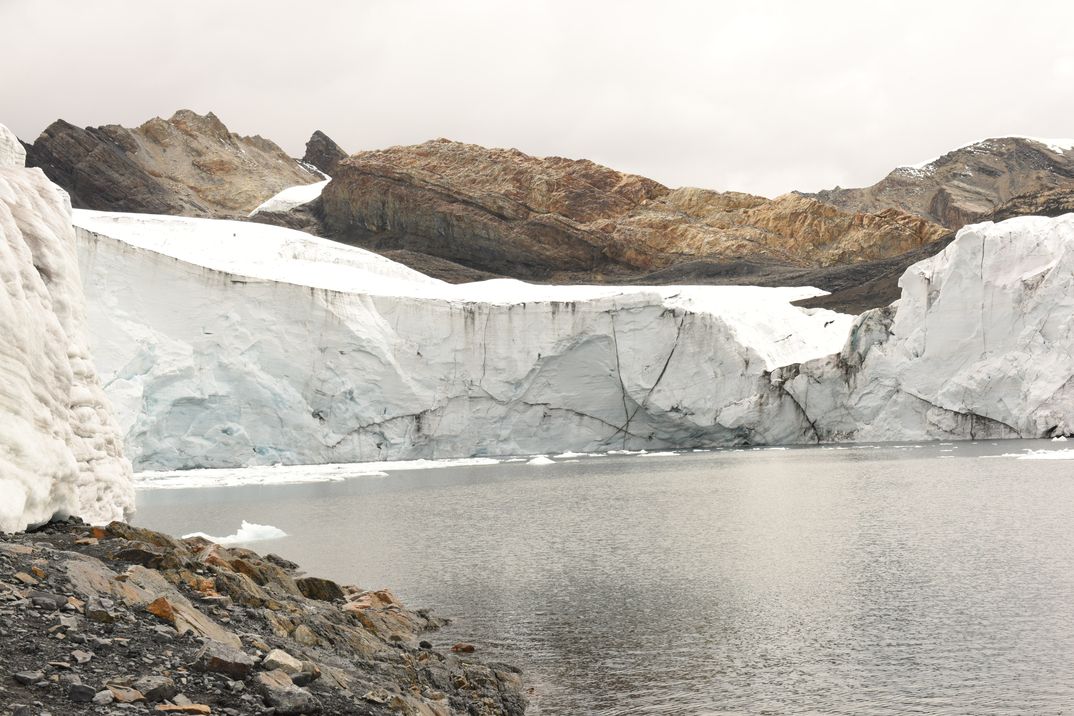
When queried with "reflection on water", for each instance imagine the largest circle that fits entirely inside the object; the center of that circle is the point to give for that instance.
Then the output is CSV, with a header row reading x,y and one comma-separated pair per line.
x,y
879,581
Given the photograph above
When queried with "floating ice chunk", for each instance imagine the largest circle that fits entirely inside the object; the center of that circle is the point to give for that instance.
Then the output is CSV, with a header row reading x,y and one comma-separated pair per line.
x,y
1067,454
289,474
248,532
541,460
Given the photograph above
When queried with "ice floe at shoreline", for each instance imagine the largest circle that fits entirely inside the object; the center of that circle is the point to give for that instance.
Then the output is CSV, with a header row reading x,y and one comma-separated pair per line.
x,y
289,474
248,532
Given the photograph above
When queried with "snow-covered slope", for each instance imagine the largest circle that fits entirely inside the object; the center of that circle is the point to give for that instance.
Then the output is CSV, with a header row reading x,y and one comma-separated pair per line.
x,y
60,450
291,197
266,345
981,344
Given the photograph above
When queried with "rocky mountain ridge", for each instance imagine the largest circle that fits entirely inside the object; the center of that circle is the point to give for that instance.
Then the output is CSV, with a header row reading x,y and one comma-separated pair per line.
x,y
968,184
189,165
505,212
462,212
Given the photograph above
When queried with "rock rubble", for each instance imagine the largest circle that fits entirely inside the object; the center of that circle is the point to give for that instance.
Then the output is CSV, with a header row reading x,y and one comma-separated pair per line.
x,y
123,620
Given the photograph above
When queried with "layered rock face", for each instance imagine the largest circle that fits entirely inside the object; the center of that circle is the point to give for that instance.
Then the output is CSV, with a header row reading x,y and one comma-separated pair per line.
x,y
508,213
188,165
307,351
60,450
979,345
1053,202
967,184
323,153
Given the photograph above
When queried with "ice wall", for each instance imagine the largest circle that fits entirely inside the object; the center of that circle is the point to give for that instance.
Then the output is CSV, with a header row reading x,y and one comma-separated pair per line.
x,y
266,345
228,343
60,450
981,345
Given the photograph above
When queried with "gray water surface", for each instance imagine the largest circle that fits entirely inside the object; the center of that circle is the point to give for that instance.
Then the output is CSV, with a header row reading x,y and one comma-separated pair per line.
x,y
869,580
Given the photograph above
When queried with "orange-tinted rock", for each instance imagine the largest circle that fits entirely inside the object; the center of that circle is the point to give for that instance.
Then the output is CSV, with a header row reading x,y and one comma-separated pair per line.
x,y
187,709
509,213
162,608
125,694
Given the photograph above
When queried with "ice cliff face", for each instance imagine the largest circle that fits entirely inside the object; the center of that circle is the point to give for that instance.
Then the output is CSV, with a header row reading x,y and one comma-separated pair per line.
x,y
980,345
228,343
60,450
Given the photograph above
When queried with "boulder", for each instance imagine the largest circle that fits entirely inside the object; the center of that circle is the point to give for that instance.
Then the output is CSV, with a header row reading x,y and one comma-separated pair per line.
x,y
220,658
29,678
280,659
182,615
324,590
281,694
125,694
81,693
156,688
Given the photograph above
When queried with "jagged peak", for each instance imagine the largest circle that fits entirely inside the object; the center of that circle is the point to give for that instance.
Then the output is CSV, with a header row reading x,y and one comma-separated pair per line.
x,y
323,153
208,123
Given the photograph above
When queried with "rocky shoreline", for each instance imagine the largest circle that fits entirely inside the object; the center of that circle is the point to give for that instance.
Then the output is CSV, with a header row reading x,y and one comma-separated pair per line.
x,y
119,619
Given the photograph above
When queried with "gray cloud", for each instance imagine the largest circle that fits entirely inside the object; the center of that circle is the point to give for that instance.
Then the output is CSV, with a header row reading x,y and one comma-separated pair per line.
x,y
761,97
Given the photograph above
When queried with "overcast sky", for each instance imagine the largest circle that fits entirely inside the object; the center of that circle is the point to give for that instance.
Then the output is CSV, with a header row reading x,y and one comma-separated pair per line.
x,y
755,96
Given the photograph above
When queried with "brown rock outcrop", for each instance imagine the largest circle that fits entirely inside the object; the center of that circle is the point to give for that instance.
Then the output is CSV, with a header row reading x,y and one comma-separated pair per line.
x,y
189,165
504,212
965,185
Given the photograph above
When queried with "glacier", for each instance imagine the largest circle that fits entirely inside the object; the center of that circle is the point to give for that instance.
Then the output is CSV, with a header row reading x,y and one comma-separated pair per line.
x,y
980,345
229,344
60,449
226,344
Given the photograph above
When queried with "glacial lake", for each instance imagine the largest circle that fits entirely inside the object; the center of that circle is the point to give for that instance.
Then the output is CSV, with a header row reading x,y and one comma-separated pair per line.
x,y
891,579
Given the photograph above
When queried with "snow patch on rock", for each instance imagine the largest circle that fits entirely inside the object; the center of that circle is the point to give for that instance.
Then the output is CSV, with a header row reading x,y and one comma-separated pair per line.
x,y
292,197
